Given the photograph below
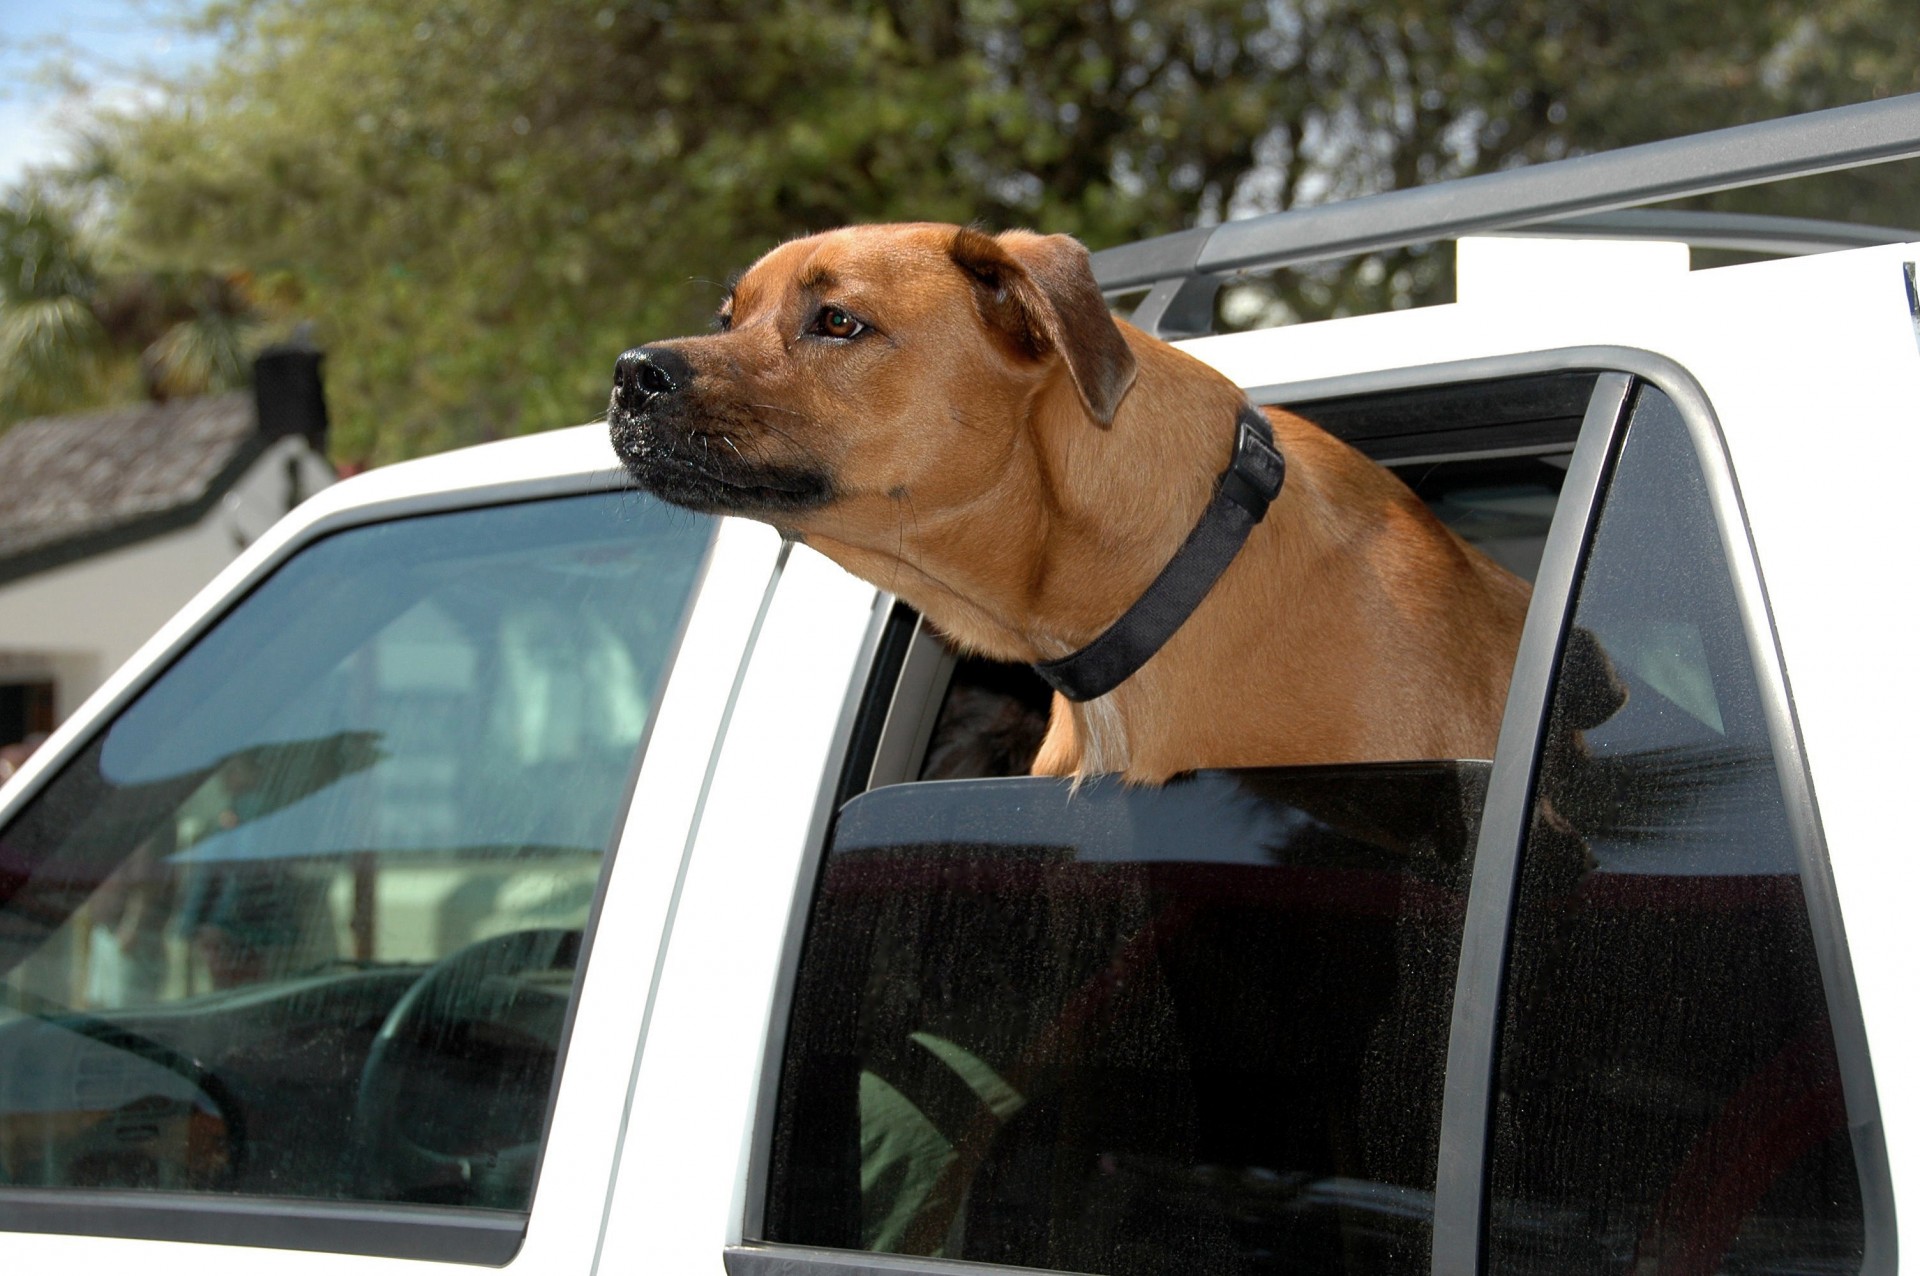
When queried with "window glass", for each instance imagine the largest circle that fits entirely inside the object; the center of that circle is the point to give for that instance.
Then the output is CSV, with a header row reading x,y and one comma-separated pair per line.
x,y
1668,1092
303,922
1198,1028
1502,507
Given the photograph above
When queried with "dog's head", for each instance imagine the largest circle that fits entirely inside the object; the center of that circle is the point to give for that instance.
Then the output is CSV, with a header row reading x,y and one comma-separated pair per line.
x,y
863,367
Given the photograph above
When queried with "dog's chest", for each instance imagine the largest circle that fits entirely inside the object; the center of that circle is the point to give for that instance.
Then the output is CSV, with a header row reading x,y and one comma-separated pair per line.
x,y
1102,736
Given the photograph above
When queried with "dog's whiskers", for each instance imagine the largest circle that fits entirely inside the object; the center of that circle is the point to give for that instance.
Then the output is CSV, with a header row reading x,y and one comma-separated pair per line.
x,y
774,407
792,443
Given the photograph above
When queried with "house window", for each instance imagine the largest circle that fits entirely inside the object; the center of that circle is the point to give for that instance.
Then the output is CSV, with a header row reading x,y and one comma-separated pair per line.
x,y
26,709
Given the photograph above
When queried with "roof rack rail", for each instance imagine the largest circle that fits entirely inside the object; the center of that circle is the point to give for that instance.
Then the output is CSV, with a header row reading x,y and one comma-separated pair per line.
x,y
1736,232
1184,270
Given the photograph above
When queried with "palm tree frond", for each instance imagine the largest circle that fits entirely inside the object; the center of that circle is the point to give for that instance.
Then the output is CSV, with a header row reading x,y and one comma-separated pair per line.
x,y
199,355
41,257
53,338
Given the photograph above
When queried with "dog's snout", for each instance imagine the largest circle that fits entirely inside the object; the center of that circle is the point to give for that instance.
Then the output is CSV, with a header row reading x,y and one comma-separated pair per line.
x,y
648,373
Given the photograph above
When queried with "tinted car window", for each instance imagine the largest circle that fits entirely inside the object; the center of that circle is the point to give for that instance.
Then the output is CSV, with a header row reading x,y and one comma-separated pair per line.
x,y
1668,1090
303,922
1199,1028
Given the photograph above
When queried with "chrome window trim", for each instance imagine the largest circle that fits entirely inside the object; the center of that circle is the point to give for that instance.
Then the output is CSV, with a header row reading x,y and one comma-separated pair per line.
x,y
766,1259
1299,395
1460,1178
435,1233
924,678
1881,1254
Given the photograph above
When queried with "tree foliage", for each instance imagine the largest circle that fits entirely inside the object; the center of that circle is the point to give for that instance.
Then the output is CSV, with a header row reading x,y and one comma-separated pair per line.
x,y
77,333
482,202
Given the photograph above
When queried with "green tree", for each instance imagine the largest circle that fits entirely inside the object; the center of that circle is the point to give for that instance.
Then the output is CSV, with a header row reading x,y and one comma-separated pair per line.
x,y
53,349
481,202
74,334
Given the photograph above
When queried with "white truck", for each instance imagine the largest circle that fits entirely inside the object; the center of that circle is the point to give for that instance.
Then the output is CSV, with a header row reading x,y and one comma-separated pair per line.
x,y
496,868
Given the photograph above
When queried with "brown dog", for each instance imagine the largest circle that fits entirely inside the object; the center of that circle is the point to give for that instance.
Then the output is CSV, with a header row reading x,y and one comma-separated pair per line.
x,y
958,418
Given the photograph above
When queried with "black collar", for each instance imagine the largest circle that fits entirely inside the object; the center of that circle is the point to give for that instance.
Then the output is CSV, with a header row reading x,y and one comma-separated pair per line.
x,y
1240,500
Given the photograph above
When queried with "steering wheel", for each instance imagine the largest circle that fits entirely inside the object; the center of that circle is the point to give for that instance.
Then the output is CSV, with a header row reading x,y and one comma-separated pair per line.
x,y
429,1033
215,1171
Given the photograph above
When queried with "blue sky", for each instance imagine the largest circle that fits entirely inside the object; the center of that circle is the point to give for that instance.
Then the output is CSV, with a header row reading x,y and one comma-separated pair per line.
x,y
111,44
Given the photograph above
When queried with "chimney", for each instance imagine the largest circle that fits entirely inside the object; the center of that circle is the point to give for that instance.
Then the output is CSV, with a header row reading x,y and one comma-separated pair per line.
x,y
287,393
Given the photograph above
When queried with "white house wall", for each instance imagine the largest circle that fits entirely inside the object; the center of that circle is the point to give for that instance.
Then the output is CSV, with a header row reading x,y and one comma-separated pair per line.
x,y
75,624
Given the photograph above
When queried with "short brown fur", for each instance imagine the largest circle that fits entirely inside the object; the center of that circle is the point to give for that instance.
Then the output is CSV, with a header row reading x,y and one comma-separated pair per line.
x,y
1018,466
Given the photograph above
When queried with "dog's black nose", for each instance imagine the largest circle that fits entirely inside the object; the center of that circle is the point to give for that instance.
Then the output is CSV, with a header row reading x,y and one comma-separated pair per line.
x,y
640,376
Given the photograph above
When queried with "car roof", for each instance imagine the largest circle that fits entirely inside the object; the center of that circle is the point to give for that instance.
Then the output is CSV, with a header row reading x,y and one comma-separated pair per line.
x,y
576,452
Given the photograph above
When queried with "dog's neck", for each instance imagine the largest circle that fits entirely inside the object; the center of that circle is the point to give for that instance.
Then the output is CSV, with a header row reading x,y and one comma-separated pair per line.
x,y
1100,510
1241,496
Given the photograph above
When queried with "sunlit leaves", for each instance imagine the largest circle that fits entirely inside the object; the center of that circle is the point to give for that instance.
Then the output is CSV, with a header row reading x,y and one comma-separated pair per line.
x,y
40,254
52,350
205,351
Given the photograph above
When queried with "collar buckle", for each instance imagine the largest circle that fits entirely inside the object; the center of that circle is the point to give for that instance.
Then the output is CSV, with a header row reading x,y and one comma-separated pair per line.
x,y
1253,480
1240,499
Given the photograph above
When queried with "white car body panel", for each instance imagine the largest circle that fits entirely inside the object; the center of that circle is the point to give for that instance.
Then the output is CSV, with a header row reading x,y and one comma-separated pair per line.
x,y
641,890
678,1199
583,1141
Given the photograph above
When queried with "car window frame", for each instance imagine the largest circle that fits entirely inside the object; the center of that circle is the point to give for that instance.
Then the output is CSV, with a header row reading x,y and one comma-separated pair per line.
x,y
1460,1218
894,708
453,1234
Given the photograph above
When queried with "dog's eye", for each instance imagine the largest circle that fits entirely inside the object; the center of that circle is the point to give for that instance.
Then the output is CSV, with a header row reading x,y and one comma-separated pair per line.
x,y
837,323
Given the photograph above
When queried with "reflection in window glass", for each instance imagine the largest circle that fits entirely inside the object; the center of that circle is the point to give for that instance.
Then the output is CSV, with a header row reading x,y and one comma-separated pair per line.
x,y
1669,1097
1198,1028
303,921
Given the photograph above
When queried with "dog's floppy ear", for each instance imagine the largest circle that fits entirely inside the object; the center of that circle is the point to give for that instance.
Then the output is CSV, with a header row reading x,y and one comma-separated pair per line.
x,y
1037,292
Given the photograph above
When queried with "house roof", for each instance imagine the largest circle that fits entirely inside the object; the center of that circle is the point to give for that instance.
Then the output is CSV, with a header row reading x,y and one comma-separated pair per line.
x,y
75,486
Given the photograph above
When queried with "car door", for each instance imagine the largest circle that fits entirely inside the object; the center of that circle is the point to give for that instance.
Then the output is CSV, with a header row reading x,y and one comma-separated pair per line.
x,y
296,935
1583,1004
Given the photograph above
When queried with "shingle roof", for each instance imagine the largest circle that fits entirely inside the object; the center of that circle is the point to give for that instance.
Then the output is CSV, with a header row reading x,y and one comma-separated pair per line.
x,y
75,486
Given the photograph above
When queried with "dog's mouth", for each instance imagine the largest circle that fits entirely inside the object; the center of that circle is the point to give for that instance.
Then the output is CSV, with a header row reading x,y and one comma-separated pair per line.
x,y
706,471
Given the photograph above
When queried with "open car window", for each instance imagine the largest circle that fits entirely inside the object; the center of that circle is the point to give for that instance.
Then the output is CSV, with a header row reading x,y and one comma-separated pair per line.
x,y
303,921
1193,1028
1204,1027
